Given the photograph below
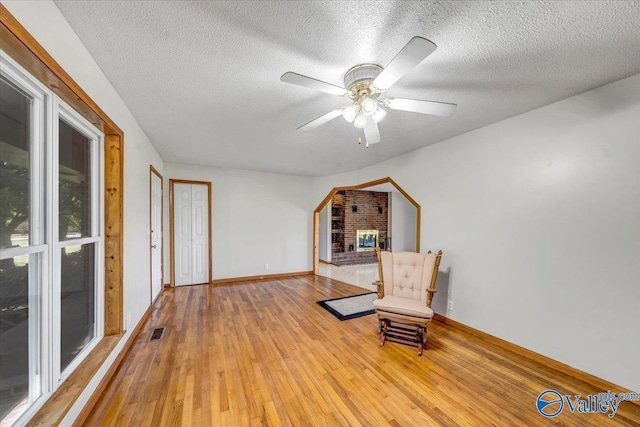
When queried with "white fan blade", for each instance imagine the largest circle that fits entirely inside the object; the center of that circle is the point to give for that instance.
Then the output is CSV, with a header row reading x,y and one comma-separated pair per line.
x,y
411,55
441,109
311,83
371,132
320,120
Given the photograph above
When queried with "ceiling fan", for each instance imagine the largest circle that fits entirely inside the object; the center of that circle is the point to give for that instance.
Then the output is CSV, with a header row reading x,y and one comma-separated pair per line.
x,y
365,83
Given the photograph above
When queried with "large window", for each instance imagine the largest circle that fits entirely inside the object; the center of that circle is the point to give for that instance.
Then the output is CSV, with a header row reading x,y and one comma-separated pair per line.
x,y
51,244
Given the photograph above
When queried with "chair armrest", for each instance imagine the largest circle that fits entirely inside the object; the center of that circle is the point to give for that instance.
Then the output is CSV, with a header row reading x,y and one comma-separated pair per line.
x,y
380,287
430,292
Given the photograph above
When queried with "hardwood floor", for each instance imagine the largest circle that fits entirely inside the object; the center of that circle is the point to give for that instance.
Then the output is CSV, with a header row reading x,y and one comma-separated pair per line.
x,y
265,353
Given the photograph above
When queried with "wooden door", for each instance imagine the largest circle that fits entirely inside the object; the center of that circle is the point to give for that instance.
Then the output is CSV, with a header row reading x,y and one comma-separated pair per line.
x,y
156,235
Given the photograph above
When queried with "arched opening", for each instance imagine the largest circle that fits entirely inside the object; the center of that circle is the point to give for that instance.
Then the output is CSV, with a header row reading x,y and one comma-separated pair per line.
x,y
384,185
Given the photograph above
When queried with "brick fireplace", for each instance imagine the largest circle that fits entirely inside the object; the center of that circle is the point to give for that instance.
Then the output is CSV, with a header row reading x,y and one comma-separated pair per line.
x,y
353,210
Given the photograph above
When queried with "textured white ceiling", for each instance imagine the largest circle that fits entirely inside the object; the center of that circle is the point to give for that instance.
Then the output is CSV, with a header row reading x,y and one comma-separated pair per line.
x,y
202,78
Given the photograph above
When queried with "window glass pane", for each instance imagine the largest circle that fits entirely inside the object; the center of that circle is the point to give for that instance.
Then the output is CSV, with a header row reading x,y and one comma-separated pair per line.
x,y
78,300
74,183
15,128
14,336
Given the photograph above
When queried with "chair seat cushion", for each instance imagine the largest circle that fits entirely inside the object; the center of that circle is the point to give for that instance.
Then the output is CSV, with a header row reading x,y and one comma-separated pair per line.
x,y
407,307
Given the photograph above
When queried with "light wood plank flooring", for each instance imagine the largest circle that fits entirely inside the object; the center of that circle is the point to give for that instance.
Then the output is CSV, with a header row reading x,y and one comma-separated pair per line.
x,y
264,353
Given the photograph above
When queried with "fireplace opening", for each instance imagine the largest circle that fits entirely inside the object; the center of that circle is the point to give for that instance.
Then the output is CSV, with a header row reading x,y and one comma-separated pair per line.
x,y
367,240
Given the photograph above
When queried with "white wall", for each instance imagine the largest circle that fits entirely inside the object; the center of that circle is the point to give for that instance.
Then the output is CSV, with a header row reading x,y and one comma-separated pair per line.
x,y
324,243
258,218
539,219
45,22
403,224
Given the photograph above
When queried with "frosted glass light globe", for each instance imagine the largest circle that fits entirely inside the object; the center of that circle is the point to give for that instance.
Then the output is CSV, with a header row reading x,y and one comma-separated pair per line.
x,y
349,113
360,121
378,115
369,106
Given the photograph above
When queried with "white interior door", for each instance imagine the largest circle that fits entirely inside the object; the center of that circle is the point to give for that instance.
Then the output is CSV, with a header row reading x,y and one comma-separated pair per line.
x,y
156,236
182,234
191,233
200,233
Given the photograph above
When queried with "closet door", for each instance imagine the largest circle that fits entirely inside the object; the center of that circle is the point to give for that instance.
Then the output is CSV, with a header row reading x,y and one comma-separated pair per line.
x,y
183,219
200,233
156,235
191,234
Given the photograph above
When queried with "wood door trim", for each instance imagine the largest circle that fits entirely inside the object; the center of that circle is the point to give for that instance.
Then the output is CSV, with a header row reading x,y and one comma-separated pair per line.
x,y
154,171
172,181
20,45
364,185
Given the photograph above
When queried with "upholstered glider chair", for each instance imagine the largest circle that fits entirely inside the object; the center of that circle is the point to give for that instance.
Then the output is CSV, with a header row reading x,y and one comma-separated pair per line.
x,y
405,291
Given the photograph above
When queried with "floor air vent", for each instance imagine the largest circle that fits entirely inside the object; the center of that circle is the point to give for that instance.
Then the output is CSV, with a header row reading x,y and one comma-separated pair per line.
x,y
157,334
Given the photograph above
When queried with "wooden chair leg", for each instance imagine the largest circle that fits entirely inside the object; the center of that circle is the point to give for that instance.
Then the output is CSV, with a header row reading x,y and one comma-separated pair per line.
x,y
424,344
384,325
403,333
420,338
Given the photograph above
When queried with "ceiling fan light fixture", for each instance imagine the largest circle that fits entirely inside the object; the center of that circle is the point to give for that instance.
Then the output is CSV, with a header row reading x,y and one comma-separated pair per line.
x,y
369,106
360,121
349,113
364,84
378,115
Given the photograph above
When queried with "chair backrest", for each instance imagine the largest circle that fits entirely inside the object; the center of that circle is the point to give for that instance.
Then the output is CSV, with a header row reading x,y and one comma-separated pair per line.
x,y
407,274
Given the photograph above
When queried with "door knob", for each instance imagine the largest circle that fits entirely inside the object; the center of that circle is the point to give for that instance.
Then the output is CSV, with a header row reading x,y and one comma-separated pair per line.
x,y
153,246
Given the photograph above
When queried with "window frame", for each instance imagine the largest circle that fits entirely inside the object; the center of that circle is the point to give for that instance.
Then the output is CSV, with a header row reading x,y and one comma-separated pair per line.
x,y
64,112
20,45
37,247
44,248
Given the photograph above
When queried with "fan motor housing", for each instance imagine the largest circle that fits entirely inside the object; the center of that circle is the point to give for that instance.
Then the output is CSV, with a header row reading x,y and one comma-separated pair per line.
x,y
360,76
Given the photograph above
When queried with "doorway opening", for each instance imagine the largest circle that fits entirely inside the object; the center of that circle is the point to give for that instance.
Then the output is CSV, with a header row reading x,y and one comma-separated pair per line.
x,y
353,221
